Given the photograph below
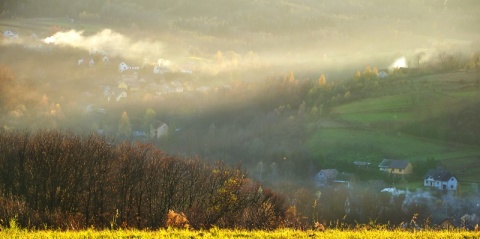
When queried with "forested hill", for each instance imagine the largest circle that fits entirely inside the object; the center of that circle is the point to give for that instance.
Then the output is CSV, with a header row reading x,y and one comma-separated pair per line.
x,y
254,23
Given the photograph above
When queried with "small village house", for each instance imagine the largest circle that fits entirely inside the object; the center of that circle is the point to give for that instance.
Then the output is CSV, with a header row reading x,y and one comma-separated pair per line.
x,y
396,167
158,130
382,74
446,224
325,177
10,35
105,59
124,67
440,179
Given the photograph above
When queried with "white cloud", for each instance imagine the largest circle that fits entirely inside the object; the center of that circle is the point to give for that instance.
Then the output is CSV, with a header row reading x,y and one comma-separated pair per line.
x,y
113,43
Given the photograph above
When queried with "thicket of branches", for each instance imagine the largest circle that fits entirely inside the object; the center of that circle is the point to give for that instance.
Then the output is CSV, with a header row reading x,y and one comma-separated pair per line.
x,y
57,179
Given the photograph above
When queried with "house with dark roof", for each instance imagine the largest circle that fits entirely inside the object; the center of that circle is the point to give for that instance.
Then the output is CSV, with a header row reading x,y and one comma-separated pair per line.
x,y
440,179
384,165
395,166
447,224
325,177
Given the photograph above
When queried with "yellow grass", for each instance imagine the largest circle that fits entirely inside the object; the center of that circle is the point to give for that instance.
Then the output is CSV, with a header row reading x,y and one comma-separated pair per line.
x,y
224,233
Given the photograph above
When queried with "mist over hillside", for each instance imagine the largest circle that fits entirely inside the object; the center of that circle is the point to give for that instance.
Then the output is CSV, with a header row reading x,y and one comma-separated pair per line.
x,y
241,50
314,35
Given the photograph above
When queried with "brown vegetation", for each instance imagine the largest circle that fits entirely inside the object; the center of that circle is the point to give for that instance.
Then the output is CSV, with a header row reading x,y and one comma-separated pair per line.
x,y
57,179
177,220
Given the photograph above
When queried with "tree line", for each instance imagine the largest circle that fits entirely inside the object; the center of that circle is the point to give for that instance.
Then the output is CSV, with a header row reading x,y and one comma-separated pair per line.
x,y
57,179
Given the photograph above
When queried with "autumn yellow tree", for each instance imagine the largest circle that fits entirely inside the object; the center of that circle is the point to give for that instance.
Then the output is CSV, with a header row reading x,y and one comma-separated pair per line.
x,y
369,73
322,80
368,70
124,126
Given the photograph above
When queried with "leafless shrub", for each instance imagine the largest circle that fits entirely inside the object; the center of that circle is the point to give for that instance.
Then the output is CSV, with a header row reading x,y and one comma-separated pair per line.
x,y
177,220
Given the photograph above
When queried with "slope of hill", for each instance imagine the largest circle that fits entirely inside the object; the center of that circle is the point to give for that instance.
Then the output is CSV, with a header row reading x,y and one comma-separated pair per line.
x,y
439,122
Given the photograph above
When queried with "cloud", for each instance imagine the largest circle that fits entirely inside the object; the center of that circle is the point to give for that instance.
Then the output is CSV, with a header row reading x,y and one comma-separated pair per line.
x,y
110,42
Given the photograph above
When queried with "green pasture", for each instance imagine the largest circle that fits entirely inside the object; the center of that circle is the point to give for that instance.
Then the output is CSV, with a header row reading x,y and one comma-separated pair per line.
x,y
451,77
466,94
390,103
378,117
404,108
405,102
366,145
370,131
466,167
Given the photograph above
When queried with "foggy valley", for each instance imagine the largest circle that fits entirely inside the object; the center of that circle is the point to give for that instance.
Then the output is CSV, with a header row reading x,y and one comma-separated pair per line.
x,y
240,114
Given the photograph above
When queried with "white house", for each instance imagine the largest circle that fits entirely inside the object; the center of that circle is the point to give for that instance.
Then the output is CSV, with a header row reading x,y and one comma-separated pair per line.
x,y
158,130
105,59
10,35
440,179
382,74
123,67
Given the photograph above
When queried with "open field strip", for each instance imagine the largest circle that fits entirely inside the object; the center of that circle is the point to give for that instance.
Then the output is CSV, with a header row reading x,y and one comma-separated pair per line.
x,y
224,233
356,144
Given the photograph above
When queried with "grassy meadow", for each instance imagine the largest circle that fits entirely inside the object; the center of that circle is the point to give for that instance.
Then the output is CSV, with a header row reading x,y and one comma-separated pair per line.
x,y
374,128
225,233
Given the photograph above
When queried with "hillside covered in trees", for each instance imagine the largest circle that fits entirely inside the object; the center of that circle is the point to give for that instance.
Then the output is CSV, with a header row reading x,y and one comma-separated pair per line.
x,y
59,180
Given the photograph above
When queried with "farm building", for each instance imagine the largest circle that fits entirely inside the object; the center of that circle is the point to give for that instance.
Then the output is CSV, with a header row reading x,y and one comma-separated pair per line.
x,y
158,130
440,179
447,224
325,177
395,166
